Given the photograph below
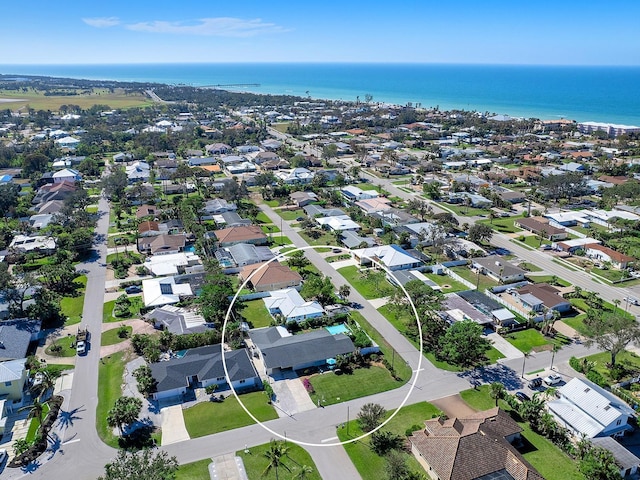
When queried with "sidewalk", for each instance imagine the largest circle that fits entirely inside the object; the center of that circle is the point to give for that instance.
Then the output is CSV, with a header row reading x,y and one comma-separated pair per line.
x,y
504,347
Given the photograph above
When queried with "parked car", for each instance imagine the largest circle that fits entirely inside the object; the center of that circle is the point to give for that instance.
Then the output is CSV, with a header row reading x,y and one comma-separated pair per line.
x,y
502,251
523,397
133,289
535,383
552,379
632,301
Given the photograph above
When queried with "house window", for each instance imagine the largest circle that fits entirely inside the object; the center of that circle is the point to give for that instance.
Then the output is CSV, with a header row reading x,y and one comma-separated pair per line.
x,y
7,384
242,381
219,379
619,421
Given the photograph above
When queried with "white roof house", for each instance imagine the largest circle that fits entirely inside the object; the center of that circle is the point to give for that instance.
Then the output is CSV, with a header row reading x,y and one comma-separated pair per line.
x,y
355,194
27,244
164,291
67,175
587,409
296,175
391,256
289,302
339,223
168,264
67,142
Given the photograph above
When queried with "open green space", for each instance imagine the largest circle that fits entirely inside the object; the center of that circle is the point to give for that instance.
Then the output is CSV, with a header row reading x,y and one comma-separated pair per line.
x,y
373,285
270,228
403,370
503,225
550,279
528,340
272,203
67,349
207,418
529,267
38,101
609,274
337,258
549,460
533,241
331,388
255,462
463,210
278,239
484,282
629,360
262,218
59,368
256,313
72,306
369,465
194,471
291,214
327,238
110,375
446,283
134,310
111,337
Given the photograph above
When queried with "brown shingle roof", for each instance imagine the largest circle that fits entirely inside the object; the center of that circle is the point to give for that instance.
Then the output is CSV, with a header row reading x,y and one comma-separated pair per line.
x,y
616,256
273,274
148,226
167,243
537,226
468,448
544,292
240,234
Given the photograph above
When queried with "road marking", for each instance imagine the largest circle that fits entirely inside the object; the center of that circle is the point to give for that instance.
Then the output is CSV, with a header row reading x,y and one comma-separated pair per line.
x,y
71,441
327,440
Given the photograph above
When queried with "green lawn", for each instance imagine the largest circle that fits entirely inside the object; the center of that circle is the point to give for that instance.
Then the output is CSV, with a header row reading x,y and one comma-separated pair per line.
x,y
528,340
446,283
134,310
484,282
464,211
533,241
207,418
630,360
577,323
65,343
609,274
529,267
35,424
331,388
280,240
326,238
503,225
256,313
549,460
337,258
255,463
369,465
194,471
375,287
72,306
272,203
262,218
547,279
110,375
291,214
110,337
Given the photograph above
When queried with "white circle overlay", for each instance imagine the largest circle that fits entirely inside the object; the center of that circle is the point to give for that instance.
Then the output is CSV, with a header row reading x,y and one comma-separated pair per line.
x,y
283,256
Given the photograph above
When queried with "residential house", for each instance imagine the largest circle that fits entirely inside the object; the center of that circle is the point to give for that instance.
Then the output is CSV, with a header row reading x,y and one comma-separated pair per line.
x,y
281,351
290,304
338,223
394,217
353,194
512,196
36,243
457,309
540,226
627,462
243,254
178,321
219,205
15,337
218,149
67,175
57,191
315,211
372,205
230,219
501,316
163,244
201,367
294,176
575,244
475,200
590,411
499,269
302,199
67,142
540,297
13,379
243,234
40,221
351,239
50,208
476,447
157,292
618,260
393,257
138,171
147,211
149,228
270,276
173,264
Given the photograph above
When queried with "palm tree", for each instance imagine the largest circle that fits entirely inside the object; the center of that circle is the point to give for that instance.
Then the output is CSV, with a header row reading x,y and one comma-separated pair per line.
x,y
47,382
304,473
497,391
344,291
35,409
277,450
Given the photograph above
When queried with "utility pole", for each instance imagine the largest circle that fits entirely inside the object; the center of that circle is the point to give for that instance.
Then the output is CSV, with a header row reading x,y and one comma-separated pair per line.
x,y
347,420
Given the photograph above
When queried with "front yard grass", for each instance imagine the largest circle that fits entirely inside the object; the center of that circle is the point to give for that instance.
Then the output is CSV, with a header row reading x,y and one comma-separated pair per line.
x,y
503,225
577,323
207,418
72,306
528,340
255,462
290,214
446,283
629,360
370,465
375,287
65,343
547,279
279,240
262,218
35,424
134,310
484,283
331,388
256,313
533,241
194,471
110,374
549,460
111,337
326,238
529,267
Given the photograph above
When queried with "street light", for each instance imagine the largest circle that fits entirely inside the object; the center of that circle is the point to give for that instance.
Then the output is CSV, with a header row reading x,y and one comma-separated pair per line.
x,y
524,358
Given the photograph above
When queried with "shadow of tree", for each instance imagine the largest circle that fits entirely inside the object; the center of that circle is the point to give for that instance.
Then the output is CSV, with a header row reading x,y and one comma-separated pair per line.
x,y
493,373
66,419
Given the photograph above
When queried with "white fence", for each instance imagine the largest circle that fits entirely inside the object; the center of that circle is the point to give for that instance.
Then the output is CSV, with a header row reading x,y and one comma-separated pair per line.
x,y
457,277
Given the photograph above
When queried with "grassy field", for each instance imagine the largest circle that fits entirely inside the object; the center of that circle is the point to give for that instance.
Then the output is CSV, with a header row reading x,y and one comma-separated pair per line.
x,y
533,241
291,214
207,418
38,101
368,288
255,463
194,471
630,360
446,283
256,313
484,283
65,343
577,323
326,238
529,267
110,337
503,225
110,373
548,459
330,388
262,218
72,306
134,310
547,279
369,465
528,340
280,240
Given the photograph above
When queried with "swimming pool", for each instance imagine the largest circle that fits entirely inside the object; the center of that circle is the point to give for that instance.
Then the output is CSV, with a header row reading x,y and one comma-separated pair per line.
x,y
336,329
190,248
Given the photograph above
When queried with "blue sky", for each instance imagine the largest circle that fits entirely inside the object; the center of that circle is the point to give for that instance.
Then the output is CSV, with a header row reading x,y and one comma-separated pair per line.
x,y
553,32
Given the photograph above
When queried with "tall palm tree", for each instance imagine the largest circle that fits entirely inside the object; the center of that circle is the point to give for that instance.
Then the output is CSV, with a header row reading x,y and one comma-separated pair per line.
x,y
497,391
277,450
304,472
47,382
36,409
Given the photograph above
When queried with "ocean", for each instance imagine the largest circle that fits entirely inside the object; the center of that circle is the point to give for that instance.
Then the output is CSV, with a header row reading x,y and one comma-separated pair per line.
x,y
604,94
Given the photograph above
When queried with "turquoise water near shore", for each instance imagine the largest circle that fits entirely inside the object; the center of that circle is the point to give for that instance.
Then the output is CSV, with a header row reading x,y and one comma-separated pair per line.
x,y
606,94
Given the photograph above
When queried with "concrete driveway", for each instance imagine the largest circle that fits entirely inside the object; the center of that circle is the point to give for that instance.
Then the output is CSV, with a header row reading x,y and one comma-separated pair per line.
x,y
290,395
173,427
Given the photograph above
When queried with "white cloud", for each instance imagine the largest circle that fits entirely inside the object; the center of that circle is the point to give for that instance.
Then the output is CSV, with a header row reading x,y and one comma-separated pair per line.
x,y
102,22
219,27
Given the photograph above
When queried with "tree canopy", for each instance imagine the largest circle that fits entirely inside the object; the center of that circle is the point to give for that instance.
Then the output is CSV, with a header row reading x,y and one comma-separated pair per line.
x,y
145,464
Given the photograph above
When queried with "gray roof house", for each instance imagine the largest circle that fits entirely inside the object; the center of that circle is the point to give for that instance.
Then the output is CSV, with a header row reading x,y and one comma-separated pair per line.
x,y
626,460
201,367
178,320
499,269
242,254
280,350
15,336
